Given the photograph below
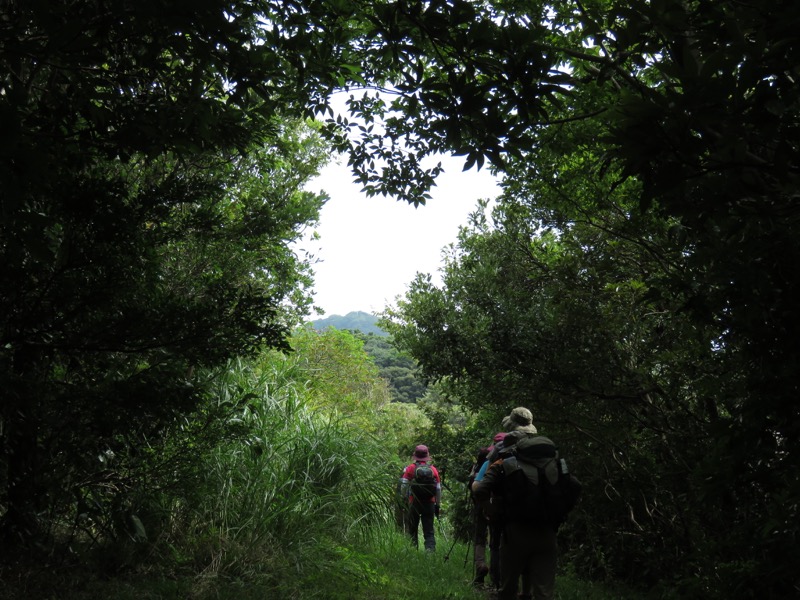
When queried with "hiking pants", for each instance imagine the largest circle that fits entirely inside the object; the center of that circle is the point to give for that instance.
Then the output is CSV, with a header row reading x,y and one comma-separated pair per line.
x,y
481,535
422,511
528,550
481,526
495,536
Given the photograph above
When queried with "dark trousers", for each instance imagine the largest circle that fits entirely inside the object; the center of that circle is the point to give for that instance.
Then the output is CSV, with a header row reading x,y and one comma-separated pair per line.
x,y
495,537
487,533
528,551
480,538
481,526
422,512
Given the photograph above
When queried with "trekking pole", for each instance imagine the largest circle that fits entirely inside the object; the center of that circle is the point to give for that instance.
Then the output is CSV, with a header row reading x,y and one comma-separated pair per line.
x,y
473,534
453,545
441,528
444,536
447,487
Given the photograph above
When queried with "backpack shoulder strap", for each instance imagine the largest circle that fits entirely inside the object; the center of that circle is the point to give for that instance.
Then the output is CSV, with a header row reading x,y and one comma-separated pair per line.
x,y
551,471
510,465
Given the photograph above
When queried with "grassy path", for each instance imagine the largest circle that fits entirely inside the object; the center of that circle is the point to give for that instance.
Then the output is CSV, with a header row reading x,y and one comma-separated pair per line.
x,y
386,567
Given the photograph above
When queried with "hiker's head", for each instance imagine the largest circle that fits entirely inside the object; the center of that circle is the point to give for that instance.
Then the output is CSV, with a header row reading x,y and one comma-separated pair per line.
x,y
520,419
521,416
421,453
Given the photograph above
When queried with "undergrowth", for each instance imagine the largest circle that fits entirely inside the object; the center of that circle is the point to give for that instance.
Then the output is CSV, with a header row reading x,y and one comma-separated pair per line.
x,y
378,563
296,506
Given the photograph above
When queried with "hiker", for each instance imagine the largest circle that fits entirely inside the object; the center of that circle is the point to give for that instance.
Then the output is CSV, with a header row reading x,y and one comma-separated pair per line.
x,y
538,492
484,528
516,425
421,488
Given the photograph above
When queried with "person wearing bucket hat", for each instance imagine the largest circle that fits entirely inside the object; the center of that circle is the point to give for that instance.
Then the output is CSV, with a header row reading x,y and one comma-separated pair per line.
x,y
520,425
516,425
421,492
521,419
421,454
531,515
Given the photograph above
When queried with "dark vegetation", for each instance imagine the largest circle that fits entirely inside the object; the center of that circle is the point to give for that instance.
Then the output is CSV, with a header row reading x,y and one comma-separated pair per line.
x,y
635,284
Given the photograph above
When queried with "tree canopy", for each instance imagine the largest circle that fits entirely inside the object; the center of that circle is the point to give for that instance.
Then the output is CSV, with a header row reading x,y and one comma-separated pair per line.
x,y
150,190
633,283
639,277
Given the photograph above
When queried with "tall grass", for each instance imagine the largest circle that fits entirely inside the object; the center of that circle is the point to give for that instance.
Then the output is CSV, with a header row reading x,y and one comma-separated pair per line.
x,y
295,503
281,497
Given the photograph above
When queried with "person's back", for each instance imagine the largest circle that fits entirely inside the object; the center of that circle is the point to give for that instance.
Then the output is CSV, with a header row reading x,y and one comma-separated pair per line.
x,y
524,477
537,484
420,486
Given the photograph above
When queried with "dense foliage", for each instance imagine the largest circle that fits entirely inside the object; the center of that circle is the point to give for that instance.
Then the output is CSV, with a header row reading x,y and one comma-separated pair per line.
x,y
632,288
399,370
273,474
149,194
637,286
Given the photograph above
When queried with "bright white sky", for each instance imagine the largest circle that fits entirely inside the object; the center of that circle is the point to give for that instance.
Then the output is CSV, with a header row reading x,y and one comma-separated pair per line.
x,y
370,249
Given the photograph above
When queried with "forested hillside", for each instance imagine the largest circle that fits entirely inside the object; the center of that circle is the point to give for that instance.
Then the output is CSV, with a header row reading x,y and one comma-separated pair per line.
x,y
353,321
399,370
168,428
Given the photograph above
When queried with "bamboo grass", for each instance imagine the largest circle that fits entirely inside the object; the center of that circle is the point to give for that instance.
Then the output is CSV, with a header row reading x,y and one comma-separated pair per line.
x,y
294,476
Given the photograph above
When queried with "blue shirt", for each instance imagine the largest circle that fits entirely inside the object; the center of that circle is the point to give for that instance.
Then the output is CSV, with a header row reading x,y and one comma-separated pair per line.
x,y
482,470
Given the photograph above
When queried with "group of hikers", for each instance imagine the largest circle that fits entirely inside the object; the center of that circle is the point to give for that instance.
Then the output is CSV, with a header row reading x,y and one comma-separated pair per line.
x,y
521,490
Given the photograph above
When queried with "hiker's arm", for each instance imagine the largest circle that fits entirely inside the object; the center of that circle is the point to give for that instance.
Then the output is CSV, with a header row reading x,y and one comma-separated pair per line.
x,y
402,490
482,489
481,472
402,487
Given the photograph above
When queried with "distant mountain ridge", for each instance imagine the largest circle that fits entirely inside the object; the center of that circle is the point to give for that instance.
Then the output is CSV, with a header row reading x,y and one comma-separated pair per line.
x,y
354,321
